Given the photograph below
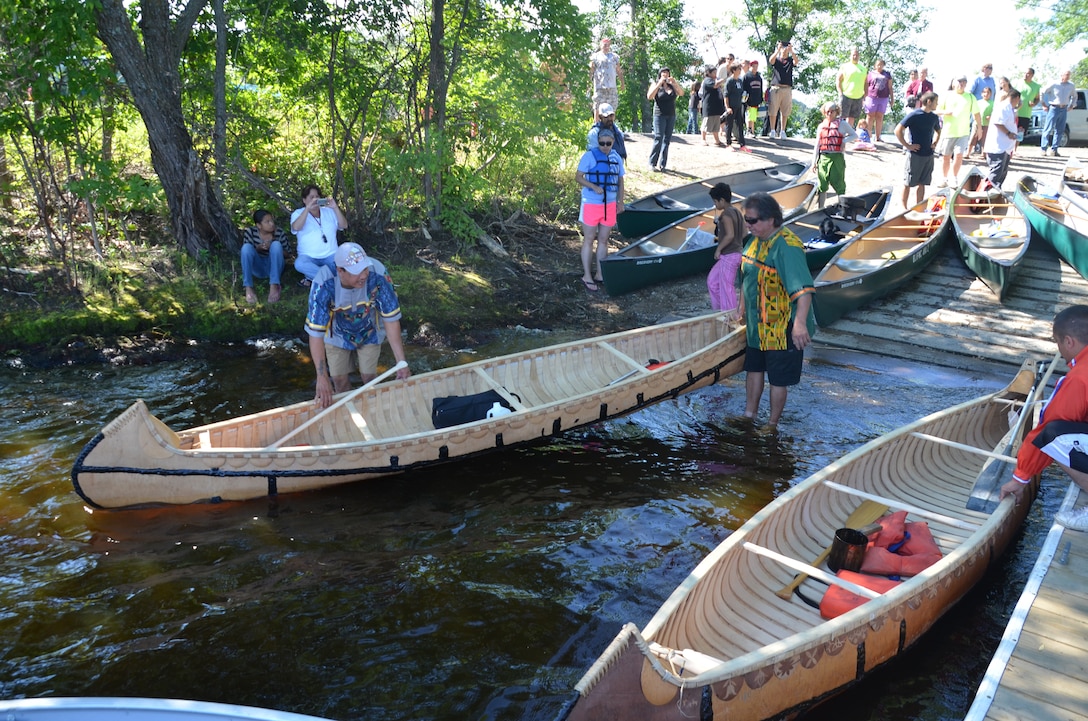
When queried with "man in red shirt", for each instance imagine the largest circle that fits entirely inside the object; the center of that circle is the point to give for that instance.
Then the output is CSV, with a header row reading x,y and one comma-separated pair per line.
x,y
1062,433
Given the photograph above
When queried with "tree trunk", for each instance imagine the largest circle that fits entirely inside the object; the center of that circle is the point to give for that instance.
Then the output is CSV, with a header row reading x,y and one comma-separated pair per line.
x,y
434,112
151,73
219,132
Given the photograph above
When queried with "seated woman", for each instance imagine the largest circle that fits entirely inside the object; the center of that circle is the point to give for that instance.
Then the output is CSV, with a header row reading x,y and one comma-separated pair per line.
x,y
262,255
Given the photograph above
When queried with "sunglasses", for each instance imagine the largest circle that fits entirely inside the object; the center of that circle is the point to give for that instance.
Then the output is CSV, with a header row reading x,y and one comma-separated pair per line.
x,y
605,145
752,221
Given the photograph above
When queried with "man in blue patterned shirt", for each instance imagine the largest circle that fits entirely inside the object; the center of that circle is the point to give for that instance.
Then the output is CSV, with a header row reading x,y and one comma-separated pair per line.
x,y
346,313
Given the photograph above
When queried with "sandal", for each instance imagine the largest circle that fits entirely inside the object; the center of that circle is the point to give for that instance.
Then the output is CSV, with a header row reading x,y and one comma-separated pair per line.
x,y
590,285
305,283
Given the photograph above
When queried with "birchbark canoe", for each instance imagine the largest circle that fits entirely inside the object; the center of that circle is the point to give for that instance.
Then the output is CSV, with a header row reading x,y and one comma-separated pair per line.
x,y
654,212
991,232
386,428
667,254
734,641
880,259
1060,218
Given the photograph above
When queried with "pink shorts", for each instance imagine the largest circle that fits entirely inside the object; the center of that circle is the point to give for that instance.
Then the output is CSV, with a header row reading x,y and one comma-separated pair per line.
x,y
594,214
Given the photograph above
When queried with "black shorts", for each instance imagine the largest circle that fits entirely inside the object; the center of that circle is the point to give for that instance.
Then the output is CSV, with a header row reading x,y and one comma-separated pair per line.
x,y
783,367
1023,123
1066,442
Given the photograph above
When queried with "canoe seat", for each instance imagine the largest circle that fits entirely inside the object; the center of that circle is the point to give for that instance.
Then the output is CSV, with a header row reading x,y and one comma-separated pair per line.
x,y
997,242
669,204
860,265
920,215
981,194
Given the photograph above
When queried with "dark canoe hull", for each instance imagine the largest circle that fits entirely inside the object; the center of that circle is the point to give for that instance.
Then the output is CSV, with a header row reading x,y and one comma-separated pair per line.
x,y
637,266
995,261
807,227
864,269
654,212
1056,226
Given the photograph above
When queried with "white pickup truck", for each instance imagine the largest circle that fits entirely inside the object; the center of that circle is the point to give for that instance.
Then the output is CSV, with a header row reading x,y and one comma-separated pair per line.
x,y
1076,122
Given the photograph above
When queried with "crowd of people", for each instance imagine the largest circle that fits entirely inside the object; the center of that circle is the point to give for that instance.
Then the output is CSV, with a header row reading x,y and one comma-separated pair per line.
x,y
760,274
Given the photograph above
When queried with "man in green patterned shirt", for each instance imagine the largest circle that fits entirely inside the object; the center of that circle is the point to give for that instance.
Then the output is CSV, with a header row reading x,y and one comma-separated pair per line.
x,y
776,291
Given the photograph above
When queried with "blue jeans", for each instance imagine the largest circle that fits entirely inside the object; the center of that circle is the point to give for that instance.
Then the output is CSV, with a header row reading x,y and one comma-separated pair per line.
x,y
262,266
663,127
1053,126
309,266
693,123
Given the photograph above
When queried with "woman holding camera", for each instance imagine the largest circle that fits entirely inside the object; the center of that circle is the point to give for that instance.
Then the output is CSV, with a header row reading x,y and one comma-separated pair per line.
x,y
315,225
663,93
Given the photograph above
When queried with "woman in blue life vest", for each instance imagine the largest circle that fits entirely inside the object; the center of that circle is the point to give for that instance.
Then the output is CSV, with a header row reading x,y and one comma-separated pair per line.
x,y
600,173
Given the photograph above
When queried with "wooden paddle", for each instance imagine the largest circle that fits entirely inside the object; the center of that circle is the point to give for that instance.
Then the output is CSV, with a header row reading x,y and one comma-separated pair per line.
x,y
862,516
337,404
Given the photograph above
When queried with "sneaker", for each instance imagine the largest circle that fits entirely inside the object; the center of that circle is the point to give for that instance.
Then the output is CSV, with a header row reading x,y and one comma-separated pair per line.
x,y
745,148
1074,520
943,183
1054,153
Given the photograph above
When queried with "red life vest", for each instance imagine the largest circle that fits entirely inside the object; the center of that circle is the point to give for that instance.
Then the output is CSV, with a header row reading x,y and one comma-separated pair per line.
x,y
830,140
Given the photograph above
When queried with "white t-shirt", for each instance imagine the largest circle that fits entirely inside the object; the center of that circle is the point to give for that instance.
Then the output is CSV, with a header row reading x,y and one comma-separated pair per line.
x,y
997,141
316,239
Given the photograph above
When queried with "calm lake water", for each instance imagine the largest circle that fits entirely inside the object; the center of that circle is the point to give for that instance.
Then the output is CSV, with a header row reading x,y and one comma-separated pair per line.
x,y
479,590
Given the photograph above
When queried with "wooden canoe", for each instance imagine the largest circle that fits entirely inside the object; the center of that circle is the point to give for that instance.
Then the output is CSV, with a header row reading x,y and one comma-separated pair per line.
x,y
654,212
386,428
734,641
881,259
818,252
1075,177
991,232
1060,218
667,254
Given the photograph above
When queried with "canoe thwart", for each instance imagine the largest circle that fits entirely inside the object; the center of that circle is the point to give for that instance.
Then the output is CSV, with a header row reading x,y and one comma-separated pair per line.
x,y
964,447
902,506
812,571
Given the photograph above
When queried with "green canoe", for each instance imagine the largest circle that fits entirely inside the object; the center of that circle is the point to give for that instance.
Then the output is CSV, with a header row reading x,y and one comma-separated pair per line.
x,y
819,249
881,259
992,234
669,253
654,212
1060,218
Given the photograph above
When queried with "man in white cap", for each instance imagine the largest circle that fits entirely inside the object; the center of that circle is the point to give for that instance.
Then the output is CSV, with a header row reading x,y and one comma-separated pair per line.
x,y
343,320
607,120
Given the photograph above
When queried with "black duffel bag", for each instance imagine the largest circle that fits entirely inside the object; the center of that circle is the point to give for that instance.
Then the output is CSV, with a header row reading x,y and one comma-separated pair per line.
x,y
449,411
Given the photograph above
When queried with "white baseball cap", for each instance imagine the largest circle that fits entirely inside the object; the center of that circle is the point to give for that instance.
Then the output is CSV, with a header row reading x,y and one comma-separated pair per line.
x,y
352,258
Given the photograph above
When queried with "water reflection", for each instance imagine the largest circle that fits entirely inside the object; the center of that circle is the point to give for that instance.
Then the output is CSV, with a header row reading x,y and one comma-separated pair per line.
x,y
479,590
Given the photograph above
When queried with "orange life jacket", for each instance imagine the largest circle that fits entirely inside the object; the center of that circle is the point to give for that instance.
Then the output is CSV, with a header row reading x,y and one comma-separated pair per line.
x,y
838,600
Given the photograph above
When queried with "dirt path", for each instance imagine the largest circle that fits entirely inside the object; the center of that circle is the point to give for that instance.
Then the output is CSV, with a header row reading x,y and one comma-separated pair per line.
x,y
690,159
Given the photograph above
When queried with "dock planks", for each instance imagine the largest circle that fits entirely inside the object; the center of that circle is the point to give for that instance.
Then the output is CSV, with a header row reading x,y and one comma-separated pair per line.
x,y
947,317
1040,671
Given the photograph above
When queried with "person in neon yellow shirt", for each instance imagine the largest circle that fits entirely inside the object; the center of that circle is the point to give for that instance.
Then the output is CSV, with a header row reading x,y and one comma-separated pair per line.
x,y
851,85
956,110
1029,98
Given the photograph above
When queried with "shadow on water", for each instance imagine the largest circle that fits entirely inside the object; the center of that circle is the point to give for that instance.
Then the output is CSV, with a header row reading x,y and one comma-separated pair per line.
x,y
480,589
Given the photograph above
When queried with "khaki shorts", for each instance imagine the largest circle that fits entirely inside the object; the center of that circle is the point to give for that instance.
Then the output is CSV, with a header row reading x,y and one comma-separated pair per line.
x,y
340,359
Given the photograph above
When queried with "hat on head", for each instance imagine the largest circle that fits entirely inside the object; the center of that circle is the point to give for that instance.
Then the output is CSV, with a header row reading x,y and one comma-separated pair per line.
x,y
961,78
606,109
352,258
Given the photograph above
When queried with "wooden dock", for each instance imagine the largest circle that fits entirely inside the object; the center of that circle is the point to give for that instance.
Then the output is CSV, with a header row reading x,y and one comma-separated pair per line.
x,y
946,316
1040,670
